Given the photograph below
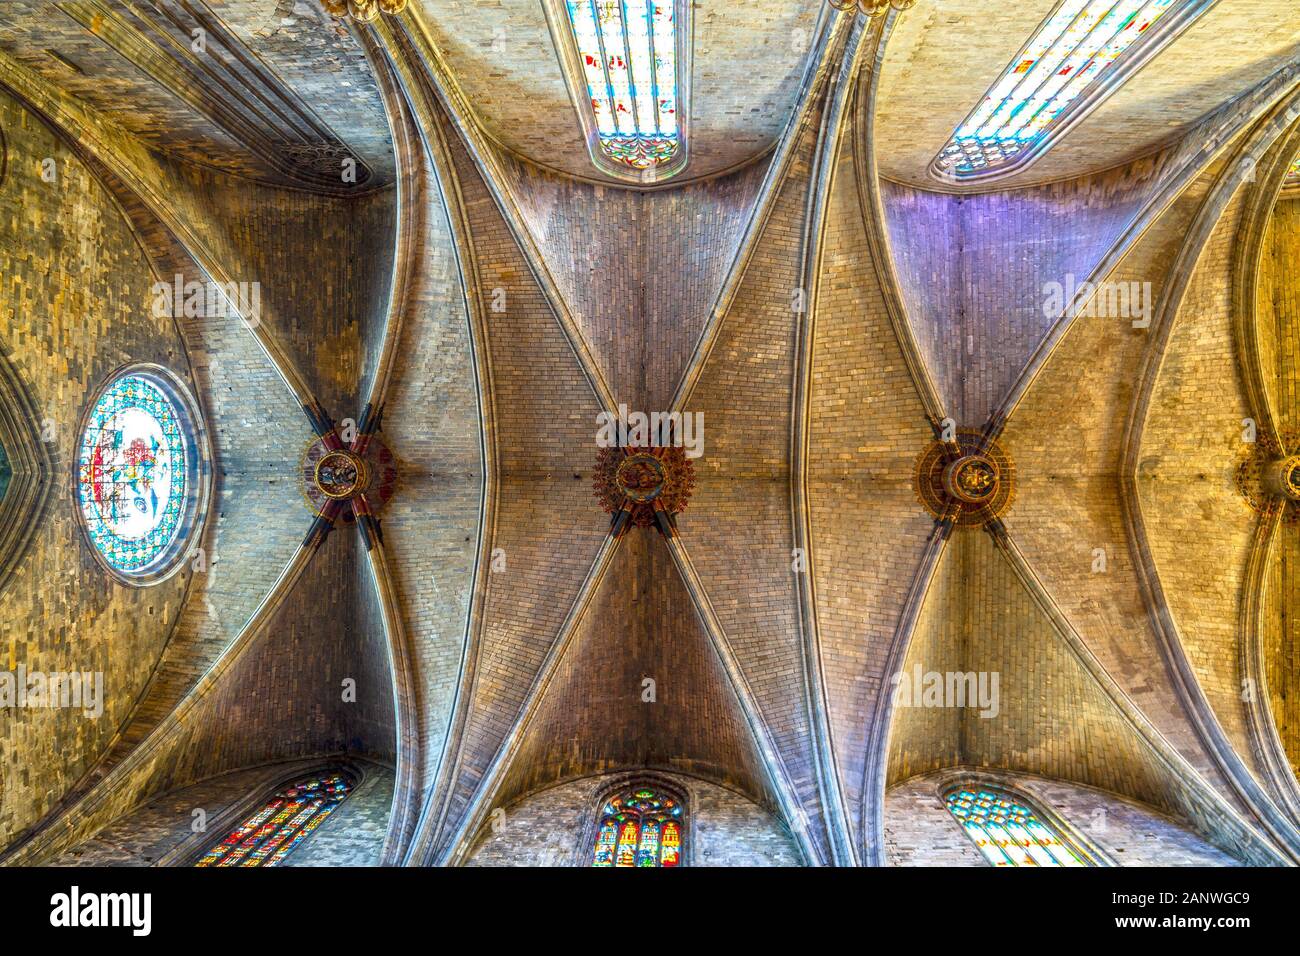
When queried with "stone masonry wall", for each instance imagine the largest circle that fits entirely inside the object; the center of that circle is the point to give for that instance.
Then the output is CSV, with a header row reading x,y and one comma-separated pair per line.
x,y
550,829
75,305
919,830
353,836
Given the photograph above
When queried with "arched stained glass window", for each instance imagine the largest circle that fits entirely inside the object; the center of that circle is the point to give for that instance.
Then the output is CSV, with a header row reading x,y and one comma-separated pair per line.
x,y
631,57
288,818
139,485
641,827
1080,54
1009,833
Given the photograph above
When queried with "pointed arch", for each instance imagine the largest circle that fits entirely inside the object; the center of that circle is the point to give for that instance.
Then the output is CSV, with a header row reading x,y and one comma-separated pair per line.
x,y
24,499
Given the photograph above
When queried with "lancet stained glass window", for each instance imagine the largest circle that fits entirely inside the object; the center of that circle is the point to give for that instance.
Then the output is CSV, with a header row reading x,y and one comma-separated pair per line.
x,y
288,818
133,472
642,827
1293,174
1007,832
1078,46
628,50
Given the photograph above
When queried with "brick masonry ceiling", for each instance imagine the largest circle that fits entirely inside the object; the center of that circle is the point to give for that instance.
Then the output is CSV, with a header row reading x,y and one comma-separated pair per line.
x,y
1109,337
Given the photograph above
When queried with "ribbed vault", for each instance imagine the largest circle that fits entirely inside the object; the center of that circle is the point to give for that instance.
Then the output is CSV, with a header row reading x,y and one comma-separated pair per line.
x,y
1279,307
1050,713
659,256
639,687
482,297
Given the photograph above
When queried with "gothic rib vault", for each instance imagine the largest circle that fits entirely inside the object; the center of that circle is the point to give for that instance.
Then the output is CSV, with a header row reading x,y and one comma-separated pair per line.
x,y
478,294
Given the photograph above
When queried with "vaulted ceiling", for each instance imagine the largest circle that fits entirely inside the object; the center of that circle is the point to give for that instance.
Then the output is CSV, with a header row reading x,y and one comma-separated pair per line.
x,y
942,59
481,293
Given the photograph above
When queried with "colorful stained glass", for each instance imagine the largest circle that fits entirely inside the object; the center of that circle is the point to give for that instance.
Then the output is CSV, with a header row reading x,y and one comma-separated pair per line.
x,y
628,50
605,844
647,853
627,840
1292,179
1007,832
1076,47
672,844
639,828
132,476
288,818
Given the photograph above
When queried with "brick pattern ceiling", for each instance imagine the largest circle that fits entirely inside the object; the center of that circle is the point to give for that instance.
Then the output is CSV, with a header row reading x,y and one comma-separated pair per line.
x,y
486,681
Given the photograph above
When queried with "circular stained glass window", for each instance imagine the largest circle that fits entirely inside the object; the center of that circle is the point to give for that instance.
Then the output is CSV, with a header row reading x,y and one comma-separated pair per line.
x,y
140,474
